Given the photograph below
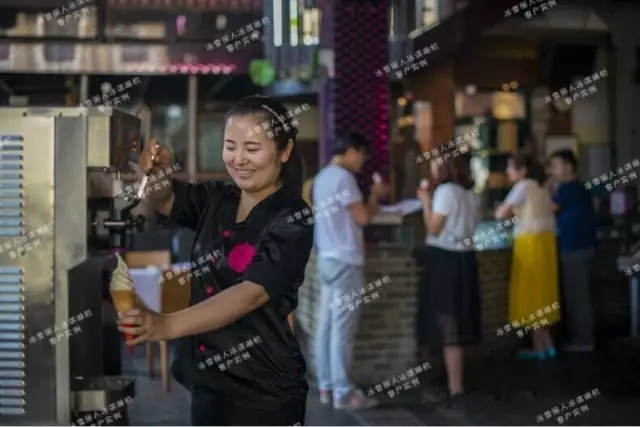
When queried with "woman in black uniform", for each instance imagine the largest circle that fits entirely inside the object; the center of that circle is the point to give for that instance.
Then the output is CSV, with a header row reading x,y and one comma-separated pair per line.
x,y
237,354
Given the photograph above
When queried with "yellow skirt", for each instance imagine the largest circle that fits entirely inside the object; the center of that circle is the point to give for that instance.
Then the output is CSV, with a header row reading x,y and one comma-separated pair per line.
x,y
533,289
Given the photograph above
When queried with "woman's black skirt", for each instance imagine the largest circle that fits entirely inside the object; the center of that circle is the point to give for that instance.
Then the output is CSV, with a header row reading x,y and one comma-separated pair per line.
x,y
449,298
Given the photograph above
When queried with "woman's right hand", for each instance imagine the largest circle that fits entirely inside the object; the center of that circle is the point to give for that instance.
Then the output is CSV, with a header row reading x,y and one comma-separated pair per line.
x,y
155,157
156,160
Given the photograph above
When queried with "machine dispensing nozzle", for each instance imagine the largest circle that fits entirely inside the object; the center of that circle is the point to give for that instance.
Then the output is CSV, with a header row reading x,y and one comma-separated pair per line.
x,y
143,186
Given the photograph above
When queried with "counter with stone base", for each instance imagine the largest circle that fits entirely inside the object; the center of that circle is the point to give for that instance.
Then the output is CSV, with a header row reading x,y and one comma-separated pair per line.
x,y
385,344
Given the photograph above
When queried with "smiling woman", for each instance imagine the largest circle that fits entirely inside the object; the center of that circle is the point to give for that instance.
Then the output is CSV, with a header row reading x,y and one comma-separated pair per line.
x,y
253,283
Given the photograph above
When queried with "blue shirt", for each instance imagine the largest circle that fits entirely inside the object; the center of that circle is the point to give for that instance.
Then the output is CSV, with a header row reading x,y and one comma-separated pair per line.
x,y
576,218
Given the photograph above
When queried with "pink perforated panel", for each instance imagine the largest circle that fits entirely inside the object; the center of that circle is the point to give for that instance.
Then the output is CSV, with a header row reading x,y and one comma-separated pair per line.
x,y
360,98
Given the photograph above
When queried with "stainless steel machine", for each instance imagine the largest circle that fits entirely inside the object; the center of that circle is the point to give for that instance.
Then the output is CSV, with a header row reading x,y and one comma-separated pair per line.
x,y
56,214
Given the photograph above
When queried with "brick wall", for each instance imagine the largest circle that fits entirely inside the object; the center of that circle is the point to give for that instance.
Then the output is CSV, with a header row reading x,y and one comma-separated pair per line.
x,y
494,268
386,340
385,344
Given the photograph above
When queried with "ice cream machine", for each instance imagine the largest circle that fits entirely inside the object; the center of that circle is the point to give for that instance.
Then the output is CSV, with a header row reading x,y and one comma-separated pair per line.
x,y
60,169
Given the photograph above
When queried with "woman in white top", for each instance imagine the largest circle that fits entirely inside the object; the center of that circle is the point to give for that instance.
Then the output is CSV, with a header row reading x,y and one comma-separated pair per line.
x,y
533,288
449,301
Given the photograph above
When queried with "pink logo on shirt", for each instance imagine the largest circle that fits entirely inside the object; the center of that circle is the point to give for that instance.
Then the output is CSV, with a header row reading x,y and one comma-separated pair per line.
x,y
226,233
240,256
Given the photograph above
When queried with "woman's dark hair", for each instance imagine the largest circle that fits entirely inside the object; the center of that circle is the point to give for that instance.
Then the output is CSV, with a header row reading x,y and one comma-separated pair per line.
x,y
534,168
281,125
455,169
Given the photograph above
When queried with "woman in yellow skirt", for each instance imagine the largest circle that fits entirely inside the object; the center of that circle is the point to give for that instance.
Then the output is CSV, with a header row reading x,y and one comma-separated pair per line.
x,y
533,291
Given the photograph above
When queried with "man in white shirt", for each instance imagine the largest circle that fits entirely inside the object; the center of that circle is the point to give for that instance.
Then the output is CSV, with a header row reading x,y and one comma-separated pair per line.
x,y
341,215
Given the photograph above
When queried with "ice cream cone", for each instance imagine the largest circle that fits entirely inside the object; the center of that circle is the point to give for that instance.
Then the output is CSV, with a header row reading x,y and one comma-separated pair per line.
x,y
122,292
124,301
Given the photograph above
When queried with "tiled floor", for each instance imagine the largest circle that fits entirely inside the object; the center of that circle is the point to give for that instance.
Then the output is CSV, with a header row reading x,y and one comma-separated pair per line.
x,y
514,393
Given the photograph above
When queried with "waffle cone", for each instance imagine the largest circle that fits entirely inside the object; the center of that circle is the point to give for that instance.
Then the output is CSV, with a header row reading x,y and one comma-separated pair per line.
x,y
123,301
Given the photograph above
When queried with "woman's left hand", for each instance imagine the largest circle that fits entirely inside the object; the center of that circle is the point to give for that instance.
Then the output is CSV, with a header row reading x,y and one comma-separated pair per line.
x,y
144,326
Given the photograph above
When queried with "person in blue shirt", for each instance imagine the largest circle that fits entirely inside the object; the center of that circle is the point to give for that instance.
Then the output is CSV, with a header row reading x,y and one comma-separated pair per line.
x,y
576,222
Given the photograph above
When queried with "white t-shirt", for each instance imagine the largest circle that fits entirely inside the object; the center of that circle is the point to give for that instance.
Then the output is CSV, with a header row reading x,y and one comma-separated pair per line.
x,y
533,208
461,207
337,235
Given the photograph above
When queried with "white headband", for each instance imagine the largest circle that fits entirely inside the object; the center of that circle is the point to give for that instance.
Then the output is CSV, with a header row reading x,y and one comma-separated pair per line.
x,y
273,113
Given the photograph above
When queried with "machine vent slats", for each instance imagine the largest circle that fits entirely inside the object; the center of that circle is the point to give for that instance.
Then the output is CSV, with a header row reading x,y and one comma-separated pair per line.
x,y
9,355
11,411
10,308
12,298
12,392
11,383
11,326
12,288
11,336
11,374
11,364
11,345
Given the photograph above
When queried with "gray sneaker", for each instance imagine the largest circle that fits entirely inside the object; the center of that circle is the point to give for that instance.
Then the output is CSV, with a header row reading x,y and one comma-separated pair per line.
x,y
325,397
356,400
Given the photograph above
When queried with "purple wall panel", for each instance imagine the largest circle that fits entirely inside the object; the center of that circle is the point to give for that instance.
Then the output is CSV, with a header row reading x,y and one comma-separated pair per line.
x,y
325,96
360,98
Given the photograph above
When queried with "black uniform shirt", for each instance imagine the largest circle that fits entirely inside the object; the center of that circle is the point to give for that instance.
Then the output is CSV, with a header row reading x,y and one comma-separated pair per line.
x,y
257,358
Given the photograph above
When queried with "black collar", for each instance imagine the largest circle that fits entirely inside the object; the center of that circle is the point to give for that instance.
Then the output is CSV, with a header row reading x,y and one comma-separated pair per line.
x,y
268,206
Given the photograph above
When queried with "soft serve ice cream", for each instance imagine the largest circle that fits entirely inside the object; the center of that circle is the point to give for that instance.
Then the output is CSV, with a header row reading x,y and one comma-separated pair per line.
x,y
120,278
